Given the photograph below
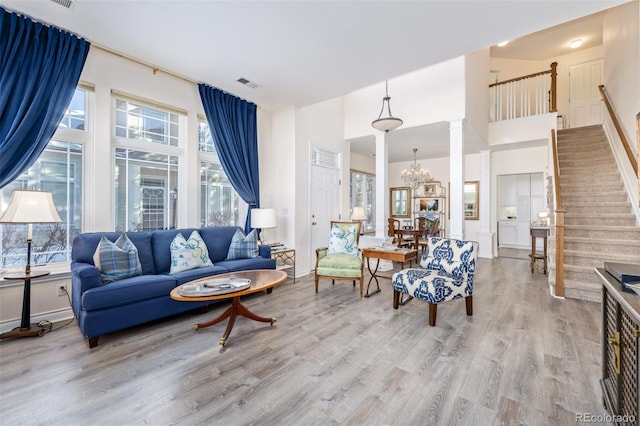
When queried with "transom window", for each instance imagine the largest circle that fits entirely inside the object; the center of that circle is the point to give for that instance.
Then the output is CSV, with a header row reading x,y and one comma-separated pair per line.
x,y
136,121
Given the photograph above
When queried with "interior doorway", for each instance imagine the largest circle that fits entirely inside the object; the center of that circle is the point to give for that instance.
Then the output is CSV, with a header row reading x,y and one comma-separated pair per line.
x,y
325,197
585,101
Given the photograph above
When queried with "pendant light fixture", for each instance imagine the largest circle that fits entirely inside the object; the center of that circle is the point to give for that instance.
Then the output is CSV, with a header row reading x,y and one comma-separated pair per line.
x,y
387,123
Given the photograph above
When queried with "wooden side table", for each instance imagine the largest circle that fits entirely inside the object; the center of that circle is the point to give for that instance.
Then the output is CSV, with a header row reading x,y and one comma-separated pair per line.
x,y
26,329
538,232
401,255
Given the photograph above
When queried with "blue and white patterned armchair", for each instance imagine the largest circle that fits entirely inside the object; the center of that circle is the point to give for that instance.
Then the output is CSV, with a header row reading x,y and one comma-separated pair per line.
x,y
446,273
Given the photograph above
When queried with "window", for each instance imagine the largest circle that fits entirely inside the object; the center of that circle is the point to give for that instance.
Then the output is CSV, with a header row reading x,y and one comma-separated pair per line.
x,y
219,202
58,170
362,194
145,190
137,121
146,165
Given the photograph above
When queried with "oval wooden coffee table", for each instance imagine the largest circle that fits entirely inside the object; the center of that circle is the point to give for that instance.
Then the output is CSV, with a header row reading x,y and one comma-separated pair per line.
x,y
261,279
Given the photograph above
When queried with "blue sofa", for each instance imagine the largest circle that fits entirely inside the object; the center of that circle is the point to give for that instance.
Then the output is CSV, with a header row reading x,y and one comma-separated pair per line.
x,y
104,308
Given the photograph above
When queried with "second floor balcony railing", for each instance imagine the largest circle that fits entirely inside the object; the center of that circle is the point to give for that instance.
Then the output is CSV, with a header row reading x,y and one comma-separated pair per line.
x,y
524,96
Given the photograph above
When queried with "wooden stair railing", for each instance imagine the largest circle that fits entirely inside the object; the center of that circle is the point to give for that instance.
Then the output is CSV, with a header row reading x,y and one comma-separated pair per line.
x,y
517,97
559,218
616,123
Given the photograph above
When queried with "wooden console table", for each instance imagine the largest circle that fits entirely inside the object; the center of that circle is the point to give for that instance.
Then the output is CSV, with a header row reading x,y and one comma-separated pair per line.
x,y
538,232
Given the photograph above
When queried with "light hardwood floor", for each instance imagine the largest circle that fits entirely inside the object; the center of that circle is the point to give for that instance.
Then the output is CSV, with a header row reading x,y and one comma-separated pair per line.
x,y
332,358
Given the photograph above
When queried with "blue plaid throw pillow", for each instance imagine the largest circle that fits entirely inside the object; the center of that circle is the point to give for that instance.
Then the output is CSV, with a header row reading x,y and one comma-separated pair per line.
x,y
117,260
243,247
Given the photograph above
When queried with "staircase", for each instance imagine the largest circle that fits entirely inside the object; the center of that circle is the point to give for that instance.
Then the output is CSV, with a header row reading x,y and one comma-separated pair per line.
x,y
599,223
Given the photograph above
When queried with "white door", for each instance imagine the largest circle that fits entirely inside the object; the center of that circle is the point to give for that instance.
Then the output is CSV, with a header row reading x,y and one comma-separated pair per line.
x,y
325,205
585,104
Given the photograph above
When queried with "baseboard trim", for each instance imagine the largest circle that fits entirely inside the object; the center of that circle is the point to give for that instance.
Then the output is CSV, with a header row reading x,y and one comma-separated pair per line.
x,y
51,316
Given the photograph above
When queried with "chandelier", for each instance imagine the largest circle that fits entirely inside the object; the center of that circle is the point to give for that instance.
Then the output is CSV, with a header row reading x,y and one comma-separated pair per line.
x,y
387,123
415,176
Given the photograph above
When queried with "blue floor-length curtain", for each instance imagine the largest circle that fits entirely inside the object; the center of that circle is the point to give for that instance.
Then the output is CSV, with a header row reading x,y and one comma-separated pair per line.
x,y
234,130
39,70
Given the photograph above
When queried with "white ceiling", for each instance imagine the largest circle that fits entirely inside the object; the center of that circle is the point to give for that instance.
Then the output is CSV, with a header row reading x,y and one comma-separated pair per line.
x,y
303,52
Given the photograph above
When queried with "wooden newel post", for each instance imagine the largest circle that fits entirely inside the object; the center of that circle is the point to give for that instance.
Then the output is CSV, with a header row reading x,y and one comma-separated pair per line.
x,y
554,74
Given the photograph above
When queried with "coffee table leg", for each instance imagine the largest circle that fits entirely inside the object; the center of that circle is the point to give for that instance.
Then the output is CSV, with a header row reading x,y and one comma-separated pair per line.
x,y
232,313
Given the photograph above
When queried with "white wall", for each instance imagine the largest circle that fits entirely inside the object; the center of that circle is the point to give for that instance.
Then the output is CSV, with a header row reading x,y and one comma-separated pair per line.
x,y
363,163
278,181
477,93
429,95
621,39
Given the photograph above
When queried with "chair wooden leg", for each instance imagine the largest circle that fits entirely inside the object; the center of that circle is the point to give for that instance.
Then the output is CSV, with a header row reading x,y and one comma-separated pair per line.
x,y
354,283
469,302
432,314
396,298
316,284
333,282
361,286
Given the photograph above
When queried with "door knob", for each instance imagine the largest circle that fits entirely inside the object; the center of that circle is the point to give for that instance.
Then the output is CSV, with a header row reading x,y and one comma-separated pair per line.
x,y
313,223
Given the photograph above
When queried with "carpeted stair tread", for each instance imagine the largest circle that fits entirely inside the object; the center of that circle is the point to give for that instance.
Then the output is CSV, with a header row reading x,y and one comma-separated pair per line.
x,y
583,291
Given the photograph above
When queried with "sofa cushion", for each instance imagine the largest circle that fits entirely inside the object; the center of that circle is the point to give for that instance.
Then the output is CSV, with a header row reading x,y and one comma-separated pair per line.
x,y
340,265
188,254
127,291
160,245
247,264
118,260
218,239
85,244
433,286
197,273
243,246
451,257
343,239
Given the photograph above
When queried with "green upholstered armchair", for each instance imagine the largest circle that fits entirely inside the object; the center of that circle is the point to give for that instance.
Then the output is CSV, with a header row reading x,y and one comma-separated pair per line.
x,y
342,259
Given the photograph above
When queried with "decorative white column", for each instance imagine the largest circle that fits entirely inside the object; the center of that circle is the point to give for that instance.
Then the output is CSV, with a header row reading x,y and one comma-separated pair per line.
x,y
457,173
382,185
485,236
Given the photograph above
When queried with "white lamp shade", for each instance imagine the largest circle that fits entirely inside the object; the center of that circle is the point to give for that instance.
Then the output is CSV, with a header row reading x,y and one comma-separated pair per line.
x,y
263,218
30,207
358,214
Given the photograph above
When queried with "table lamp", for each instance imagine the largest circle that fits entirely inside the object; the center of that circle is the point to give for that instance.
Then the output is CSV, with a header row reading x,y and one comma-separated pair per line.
x,y
263,219
358,214
28,207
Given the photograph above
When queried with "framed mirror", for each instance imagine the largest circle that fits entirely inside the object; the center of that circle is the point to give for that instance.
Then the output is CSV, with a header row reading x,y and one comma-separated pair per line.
x,y
471,204
400,201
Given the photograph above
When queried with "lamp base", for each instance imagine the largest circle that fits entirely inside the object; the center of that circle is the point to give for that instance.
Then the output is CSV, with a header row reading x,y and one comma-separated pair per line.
x,y
31,331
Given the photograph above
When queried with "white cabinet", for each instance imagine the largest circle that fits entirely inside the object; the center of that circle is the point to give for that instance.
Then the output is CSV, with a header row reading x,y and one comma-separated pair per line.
x,y
507,232
520,198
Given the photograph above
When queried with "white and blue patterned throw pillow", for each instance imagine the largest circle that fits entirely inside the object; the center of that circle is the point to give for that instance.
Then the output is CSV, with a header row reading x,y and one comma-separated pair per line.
x,y
243,247
118,260
188,254
343,240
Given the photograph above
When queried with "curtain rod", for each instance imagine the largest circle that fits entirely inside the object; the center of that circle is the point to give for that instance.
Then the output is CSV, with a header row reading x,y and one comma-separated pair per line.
x,y
157,69
154,68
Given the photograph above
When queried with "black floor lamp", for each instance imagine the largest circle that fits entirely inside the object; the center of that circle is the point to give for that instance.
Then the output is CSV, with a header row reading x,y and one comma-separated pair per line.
x,y
28,207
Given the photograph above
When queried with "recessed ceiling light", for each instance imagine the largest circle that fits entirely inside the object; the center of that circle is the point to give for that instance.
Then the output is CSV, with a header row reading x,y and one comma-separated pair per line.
x,y
575,43
503,43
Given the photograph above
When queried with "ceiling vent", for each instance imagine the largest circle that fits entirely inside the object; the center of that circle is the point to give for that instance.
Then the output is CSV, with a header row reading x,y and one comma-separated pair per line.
x,y
66,3
246,82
